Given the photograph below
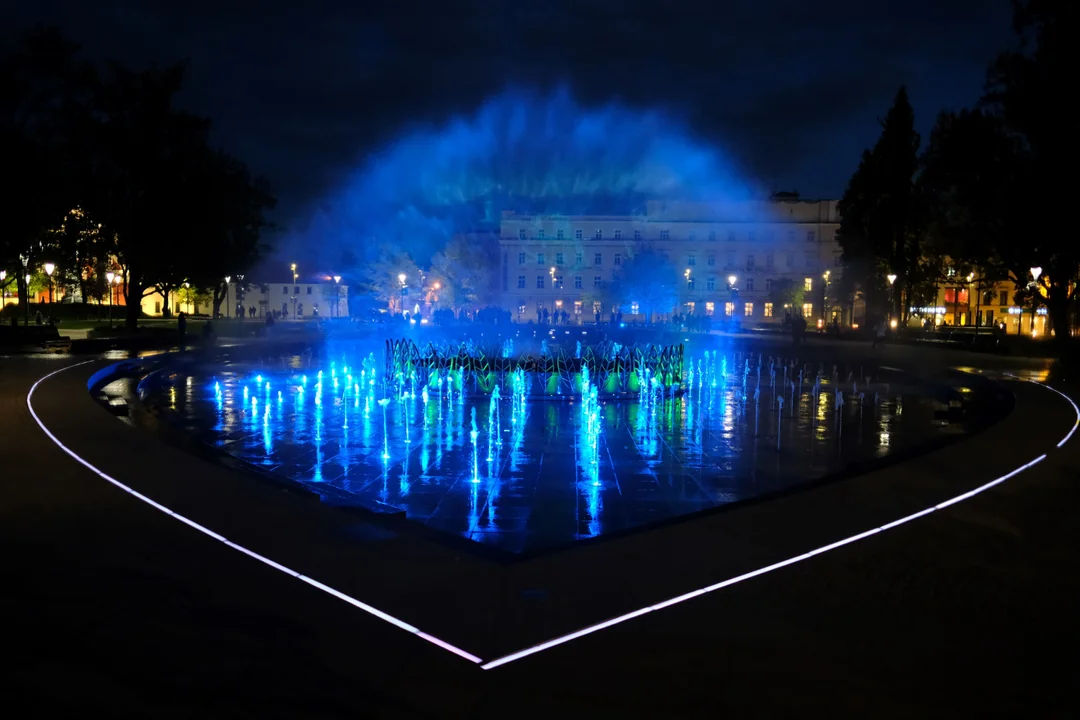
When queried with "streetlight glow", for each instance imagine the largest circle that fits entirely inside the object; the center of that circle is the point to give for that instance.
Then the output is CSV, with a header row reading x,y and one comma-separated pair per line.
x,y
49,268
731,279
1035,273
337,279
401,278
891,278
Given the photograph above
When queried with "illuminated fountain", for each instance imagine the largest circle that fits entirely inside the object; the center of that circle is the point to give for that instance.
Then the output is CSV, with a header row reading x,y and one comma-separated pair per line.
x,y
524,450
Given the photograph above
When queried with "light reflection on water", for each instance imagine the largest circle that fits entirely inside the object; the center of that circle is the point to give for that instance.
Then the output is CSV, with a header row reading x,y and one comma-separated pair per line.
x,y
541,473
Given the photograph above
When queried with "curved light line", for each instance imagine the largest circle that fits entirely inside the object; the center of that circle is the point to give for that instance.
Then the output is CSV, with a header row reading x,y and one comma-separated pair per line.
x,y
371,610
783,563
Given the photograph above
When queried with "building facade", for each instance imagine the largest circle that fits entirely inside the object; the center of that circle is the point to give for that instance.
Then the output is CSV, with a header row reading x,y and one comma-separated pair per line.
x,y
726,256
304,298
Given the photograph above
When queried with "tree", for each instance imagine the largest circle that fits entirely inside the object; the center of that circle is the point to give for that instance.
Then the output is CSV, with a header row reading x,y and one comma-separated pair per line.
x,y
383,277
882,219
649,279
464,270
1027,90
787,294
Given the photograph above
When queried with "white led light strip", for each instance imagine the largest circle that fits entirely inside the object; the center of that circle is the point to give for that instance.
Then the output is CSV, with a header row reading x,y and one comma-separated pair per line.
x,y
250,553
579,633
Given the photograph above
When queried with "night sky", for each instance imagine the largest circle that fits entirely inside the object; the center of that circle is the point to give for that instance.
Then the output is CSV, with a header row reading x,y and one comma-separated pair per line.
x,y
789,91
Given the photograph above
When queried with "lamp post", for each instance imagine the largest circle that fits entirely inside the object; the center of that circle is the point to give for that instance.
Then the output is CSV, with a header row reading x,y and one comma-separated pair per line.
x,y
25,260
335,311
49,269
825,298
401,279
3,290
891,277
109,277
1036,272
227,279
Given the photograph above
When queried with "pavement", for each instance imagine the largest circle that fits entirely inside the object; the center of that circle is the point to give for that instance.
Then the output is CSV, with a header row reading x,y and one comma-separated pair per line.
x,y
122,608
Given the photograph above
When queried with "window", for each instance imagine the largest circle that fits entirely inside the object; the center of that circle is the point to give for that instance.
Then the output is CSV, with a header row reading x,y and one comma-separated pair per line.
x,y
637,234
308,289
577,281
729,308
617,259
810,236
810,260
808,310
749,262
521,258
692,237
768,285
730,260
596,306
790,260
521,309
284,290
690,283
691,260
749,284
808,284
635,309
539,234
598,259
690,308
521,234
791,236
710,284
521,282
597,281
599,235
731,236
577,258
577,234
539,258
748,310
558,258
710,260
712,236
768,309
770,236
157,307
558,282
618,234
558,234
540,282
768,261
665,235
296,290
1003,297
988,297
577,307
710,308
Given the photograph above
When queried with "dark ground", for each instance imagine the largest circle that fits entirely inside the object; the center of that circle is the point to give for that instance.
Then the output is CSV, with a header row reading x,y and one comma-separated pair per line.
x,y
116,608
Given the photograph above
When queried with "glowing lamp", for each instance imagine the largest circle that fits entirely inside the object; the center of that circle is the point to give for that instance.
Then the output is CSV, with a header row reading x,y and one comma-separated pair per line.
x,y
109,277
401,278
731,279
337,278
49,268
891,278
438,286
892,323
1035,273
228,278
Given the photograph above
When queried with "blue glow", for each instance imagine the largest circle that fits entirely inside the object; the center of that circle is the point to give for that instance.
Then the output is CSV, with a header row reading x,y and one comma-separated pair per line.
x,y
525,151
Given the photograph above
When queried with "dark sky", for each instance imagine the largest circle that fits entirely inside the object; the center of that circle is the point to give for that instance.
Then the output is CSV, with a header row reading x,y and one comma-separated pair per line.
x,y
302,91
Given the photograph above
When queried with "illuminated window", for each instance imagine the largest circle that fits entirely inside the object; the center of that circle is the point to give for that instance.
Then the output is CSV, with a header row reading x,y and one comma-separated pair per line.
x,y
808,284
540,281
539,234
729,308
710,308
539,258
597,281
558,234
596,306
618,234
710,260
665,235
810,236
577,281
558,258
768,309
710,284
521,282
521,309
599,235
635,309
807,310
577,307
748,310
598,259
749,284
521,234
521,258
691,260
617,259
690,308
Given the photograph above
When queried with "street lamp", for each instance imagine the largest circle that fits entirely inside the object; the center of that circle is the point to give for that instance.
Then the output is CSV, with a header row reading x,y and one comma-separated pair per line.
x,y
49,268
337,295
401,279
109,277
731,279
1035,273
3,290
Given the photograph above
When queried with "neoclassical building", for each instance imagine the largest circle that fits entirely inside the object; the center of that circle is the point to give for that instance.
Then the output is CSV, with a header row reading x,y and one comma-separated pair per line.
x,y
562,263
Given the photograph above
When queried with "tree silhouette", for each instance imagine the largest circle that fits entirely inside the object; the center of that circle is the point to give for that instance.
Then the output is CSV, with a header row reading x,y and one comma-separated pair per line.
x,y
649,279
